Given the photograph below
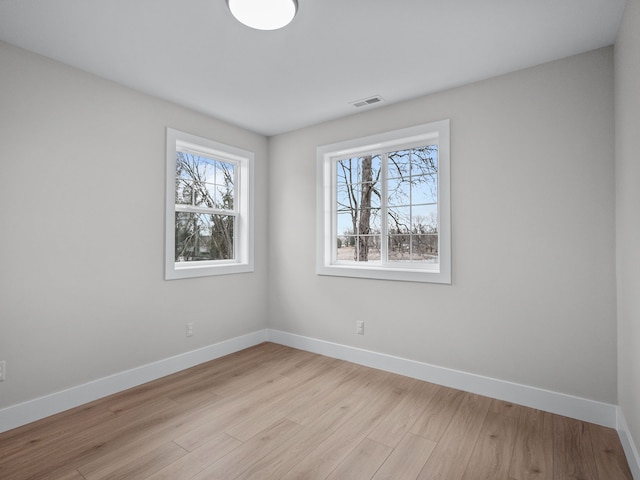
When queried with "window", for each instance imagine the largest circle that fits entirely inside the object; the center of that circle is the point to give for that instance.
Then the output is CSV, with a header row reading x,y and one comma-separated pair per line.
x,y
383,206
208,210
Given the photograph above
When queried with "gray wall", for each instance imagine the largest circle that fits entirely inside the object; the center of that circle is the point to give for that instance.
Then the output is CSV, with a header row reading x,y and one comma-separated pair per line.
x,y
82,295
533,295
627,104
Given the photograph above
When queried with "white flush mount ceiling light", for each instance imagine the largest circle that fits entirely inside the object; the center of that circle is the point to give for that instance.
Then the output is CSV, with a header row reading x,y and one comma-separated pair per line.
x,y
264,14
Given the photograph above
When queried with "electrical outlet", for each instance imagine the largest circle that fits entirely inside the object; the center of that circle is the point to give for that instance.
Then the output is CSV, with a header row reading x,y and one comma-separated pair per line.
x,y
189,330
3,370
360,327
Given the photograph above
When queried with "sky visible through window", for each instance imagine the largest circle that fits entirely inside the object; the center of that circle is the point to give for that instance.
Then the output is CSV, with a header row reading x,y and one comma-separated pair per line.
x,y
390,197
204,217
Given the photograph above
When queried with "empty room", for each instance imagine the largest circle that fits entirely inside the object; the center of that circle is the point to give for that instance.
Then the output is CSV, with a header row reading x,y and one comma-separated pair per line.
x,y
355,239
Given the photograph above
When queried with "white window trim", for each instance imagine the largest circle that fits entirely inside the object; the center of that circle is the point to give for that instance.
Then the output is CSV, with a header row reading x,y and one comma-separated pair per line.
x,y
327,156
244,247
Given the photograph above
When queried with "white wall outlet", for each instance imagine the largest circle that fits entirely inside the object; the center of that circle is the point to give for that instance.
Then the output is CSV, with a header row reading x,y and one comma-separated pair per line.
x,y
189,329
3,370
360,327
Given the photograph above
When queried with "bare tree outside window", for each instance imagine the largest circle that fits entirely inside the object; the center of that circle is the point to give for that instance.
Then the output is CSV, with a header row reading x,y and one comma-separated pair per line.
x,y
411,206
205,187
359,195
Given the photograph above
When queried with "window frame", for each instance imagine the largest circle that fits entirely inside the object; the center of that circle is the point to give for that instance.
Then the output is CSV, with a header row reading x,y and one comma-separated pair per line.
x,y
242,208
327,158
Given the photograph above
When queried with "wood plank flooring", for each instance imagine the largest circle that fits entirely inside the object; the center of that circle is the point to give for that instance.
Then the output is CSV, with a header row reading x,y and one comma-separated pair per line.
x,y
273,412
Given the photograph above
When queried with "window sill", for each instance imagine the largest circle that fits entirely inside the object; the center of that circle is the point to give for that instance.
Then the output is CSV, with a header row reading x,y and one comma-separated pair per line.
x,y
191,271
404,274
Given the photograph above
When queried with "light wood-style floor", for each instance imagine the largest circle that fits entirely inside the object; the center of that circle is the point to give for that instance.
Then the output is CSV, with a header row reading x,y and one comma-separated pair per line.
x,y
272,412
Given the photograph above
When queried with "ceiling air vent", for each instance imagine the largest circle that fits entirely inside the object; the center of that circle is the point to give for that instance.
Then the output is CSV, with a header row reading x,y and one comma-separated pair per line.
x,y
367,101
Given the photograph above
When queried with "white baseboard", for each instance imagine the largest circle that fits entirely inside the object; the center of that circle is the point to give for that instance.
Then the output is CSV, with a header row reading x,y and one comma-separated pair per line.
x,y
575,407
32,410
630,450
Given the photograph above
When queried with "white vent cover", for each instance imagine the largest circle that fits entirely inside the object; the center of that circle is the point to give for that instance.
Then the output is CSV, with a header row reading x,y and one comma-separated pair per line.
x,y
367,101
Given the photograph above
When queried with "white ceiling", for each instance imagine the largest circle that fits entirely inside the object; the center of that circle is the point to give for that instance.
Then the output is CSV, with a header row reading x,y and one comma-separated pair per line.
x,y
193,52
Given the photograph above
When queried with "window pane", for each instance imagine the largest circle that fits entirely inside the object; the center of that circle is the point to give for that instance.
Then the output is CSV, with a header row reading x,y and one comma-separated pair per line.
x,y
374,218
346,173
194,167
366,248
412,176
222,230
424,248
222,195
346,247
363,243
425,219
358,170
344,225
358,208
399,220
201,237
411,223
225,178
344,197
424,160
399,164
399,248
376,165
183,165
413,248
184,191
367,168
424,189
203,195
212,195
366,221
204,182
373,191
399,191
358,248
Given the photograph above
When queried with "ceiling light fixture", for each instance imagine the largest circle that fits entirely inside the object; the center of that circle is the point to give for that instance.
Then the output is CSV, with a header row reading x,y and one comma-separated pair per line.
x,y
264,14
